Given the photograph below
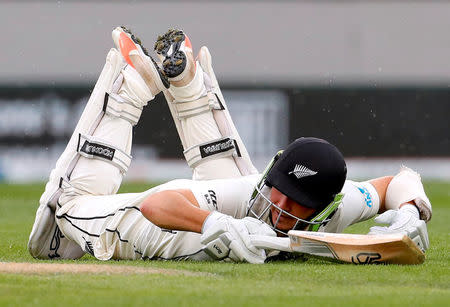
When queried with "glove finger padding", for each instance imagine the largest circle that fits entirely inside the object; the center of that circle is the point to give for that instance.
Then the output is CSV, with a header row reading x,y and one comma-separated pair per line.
x,y
257,227
213,232
387,217
240,253
404,220
380,230
229,237
242,236
419,235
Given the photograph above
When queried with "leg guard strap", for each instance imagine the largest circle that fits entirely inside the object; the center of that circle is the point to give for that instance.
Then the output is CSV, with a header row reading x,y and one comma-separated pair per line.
x,y
191,108
94,148
223,147
185,109
117,106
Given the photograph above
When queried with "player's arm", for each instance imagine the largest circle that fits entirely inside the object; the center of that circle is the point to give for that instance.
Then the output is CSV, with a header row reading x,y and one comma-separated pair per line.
x,y
223,235
363,200
381,184
403,189
186,207
407,207
401,199
175,210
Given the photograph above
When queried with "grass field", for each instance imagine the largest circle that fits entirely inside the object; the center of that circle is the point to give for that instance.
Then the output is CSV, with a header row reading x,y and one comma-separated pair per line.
x,y
303,283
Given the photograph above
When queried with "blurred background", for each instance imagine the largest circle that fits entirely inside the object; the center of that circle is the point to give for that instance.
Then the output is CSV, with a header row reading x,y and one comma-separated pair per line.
x,y
372,77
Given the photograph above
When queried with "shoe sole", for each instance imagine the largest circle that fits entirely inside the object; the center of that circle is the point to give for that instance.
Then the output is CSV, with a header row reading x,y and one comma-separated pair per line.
x,y
137,41
168,47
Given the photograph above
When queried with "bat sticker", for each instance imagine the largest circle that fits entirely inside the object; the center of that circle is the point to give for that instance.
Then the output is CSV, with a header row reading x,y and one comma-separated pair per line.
x,y
366,258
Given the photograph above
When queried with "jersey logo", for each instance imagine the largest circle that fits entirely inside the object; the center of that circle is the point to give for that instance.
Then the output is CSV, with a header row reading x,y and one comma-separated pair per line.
x,y
301,171
367,197
211,198
88,247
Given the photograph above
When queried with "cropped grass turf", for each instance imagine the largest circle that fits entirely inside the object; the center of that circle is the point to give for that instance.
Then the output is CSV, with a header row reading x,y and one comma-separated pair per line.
x,y
302,283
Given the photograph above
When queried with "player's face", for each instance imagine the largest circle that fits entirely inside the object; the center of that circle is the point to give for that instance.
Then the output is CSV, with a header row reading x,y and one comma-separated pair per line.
x,y
286,222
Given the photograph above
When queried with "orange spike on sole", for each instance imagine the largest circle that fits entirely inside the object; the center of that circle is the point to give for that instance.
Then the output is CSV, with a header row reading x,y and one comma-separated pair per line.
x,y
187,42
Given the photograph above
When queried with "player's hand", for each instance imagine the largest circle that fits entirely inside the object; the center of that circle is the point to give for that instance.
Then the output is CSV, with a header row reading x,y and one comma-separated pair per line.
x,y
229,238
404,220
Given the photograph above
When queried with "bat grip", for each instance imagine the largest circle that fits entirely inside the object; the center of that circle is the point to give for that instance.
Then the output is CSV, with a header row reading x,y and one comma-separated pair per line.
x,y
273,243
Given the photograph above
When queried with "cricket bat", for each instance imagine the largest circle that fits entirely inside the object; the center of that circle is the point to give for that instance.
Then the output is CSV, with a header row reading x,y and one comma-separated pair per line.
x,y
351,248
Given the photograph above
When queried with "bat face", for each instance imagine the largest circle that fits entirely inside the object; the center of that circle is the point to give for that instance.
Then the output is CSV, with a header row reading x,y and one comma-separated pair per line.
x,y
358,249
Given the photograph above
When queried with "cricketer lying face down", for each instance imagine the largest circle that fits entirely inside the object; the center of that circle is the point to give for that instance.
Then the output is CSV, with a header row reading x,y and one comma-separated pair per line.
x,y
213,215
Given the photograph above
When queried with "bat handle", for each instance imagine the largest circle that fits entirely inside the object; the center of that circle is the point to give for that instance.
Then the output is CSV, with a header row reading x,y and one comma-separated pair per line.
x,y
273,243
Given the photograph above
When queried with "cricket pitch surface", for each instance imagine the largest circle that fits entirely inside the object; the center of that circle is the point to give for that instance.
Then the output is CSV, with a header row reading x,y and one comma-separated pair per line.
x,y
75,268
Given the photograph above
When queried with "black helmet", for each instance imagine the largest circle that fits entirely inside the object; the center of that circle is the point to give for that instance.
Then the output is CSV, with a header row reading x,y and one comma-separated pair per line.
x,y
311,172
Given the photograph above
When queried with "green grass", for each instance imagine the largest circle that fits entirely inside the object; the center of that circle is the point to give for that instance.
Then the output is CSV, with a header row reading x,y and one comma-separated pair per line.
x,y
302,283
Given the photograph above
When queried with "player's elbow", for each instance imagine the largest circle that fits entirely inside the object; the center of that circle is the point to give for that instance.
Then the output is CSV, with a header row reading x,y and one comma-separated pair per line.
x,y
149,208
156,209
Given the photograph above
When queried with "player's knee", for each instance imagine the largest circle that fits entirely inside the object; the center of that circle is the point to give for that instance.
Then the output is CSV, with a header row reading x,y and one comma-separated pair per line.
x,y
105,181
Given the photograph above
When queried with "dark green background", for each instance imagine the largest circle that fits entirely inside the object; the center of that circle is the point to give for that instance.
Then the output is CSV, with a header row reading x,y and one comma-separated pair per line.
x,y
406,121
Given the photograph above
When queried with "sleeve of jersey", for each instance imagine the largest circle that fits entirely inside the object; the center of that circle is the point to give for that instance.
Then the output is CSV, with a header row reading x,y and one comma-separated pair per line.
x,y
228,196
360,203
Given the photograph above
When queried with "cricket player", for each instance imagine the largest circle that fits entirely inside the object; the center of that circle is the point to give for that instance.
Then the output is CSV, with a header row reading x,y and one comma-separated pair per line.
x,y
212,216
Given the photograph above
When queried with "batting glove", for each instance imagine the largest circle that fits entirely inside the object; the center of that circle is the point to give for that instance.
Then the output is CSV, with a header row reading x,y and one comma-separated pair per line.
x,y
404,220
228,238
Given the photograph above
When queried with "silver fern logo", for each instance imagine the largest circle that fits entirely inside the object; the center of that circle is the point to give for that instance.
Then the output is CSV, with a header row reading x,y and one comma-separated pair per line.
x,y
301,171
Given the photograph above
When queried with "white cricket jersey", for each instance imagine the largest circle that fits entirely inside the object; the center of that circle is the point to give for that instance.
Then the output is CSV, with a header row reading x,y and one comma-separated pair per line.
x,y
229,196
360,203
113,226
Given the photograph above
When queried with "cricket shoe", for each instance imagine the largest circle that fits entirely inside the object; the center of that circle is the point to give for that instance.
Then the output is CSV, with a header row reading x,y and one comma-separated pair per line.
x,y
47,241
175,52
137,56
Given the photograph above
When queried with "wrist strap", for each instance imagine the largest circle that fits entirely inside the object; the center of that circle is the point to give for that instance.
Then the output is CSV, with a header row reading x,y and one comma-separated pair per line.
x,y
211,219
411,209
